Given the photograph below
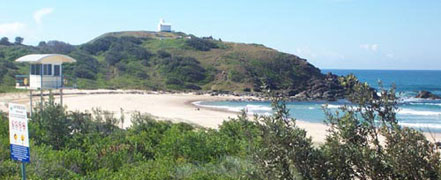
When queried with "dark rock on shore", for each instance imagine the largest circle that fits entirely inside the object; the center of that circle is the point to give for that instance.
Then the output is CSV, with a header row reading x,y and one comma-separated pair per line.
x,y
327,88
427,95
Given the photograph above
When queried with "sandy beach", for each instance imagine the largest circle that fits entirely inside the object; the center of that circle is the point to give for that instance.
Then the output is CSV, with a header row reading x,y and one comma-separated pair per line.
x,y
164,106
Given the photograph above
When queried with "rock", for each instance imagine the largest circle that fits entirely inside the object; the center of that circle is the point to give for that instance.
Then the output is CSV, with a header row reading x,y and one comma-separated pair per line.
x,y
427,95
438,144
301,96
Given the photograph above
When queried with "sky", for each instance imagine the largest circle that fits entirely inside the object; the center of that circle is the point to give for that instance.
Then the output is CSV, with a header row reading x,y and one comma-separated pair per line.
x,y
330,34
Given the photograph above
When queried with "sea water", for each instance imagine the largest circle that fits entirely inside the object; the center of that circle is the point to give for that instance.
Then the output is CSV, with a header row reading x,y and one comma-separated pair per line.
x,y
413,112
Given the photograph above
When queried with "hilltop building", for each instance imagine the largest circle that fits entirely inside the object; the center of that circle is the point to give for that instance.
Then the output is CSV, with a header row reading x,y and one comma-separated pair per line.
x,y
164,27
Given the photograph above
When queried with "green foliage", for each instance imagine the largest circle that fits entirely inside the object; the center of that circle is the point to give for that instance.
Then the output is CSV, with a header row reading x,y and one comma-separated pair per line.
x,y
283,72
353,148
50,126
364,140
99,45
57,47
4,41
75,145
285,152
148,60
183,72
235,76
86,66
90,145
200,44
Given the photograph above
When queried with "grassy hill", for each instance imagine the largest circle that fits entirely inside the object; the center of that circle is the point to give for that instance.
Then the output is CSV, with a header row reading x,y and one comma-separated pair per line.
x,y
170,61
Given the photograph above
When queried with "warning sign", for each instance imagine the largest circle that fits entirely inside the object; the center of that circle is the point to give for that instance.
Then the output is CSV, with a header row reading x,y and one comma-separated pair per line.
x,y
18,132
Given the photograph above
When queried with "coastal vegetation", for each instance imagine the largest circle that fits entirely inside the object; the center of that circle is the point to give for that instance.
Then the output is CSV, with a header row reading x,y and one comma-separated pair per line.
x,y
364,142
175,62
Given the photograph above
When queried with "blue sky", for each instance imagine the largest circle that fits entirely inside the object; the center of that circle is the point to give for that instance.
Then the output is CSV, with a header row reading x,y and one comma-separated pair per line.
x,y
342,34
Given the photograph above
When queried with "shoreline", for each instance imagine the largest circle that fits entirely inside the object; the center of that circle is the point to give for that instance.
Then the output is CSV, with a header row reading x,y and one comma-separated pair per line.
x,y
317,131
175,107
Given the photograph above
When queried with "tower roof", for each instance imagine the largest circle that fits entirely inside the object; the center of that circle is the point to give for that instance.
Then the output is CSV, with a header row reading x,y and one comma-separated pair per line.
x,y
46,58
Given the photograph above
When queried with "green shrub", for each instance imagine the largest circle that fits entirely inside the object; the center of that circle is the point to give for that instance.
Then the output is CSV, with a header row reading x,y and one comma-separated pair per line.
x,y
353,148
200,44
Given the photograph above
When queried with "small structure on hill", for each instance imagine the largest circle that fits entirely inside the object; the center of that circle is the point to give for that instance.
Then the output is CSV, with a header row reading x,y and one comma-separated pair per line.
x,y
164,27
45,72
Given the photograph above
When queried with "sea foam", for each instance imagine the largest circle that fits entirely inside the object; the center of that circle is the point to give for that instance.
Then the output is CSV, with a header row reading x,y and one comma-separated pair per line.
x,y
421,125
249,108
406,111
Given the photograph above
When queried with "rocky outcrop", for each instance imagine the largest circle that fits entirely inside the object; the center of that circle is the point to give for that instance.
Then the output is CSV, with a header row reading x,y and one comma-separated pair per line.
x,y
427,95
327,88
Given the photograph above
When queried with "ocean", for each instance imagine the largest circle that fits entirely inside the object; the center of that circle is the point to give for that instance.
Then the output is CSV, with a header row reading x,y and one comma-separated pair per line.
x,y
413,112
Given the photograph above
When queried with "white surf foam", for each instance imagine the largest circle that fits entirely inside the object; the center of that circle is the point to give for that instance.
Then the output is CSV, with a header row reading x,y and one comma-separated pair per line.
x,y
332,106
421,125
406,111
249,108
258,108
228,108
426,104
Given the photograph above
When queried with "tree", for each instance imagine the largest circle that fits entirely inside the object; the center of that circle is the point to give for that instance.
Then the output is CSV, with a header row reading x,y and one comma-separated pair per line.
x,y
285,151
18,40
42,44
4,41
59,47
50,124
201,44
354,149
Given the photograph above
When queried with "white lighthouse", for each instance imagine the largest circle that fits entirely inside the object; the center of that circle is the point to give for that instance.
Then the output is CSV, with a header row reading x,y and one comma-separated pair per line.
x,y
164,27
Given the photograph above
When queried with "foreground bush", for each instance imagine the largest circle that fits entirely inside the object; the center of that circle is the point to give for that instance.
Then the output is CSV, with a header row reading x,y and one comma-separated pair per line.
x,y
364,142
354,147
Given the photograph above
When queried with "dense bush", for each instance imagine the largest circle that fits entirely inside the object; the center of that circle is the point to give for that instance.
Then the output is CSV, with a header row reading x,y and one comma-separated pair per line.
x,y
354,148
124,48
5,41
57,47
85,67
107,62
99,45
71,145
201,44
183,72
90,145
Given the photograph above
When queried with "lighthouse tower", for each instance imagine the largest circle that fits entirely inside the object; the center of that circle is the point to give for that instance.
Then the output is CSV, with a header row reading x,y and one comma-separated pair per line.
x,y
164,27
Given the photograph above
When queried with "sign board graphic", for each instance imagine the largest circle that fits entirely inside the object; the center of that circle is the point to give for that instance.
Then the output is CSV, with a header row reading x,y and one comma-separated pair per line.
x,y
18,132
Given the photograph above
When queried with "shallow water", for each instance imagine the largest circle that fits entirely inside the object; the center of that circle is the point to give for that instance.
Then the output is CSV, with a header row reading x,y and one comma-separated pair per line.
x,y
417,113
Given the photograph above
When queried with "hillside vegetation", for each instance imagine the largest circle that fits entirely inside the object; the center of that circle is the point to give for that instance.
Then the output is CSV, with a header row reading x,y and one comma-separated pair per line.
x,y
169,61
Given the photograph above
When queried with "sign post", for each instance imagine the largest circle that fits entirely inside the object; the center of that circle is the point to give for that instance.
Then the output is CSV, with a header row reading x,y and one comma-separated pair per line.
x,y
18,135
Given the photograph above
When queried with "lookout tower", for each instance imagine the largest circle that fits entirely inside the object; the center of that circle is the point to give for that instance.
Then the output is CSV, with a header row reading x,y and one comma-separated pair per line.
x,y
164,27
45,72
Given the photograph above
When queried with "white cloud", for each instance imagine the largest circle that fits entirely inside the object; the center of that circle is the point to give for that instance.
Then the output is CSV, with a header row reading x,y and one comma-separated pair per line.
x,y
390,55
369,47
39,14
12,29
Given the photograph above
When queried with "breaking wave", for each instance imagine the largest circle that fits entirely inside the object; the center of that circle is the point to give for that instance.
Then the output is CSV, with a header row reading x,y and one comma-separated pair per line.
x,y
406,111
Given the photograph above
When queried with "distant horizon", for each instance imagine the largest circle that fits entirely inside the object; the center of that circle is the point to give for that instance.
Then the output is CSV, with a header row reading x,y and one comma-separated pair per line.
x,y
330,34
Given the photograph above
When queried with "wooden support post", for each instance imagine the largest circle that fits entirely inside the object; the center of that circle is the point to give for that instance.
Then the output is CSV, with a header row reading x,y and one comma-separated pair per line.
x,y
41,87
30,103
61,96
